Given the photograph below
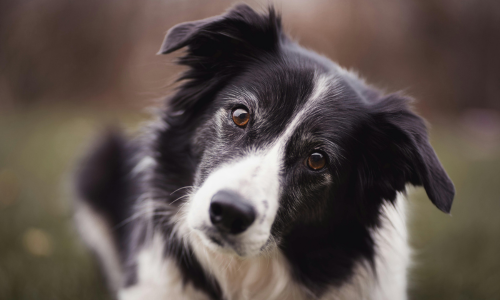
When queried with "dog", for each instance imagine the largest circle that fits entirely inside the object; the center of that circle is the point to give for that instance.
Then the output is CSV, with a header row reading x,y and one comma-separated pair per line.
x,y
271,173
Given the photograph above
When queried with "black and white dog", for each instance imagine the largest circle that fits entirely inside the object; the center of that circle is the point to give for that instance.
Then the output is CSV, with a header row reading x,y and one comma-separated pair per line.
x,y
272,173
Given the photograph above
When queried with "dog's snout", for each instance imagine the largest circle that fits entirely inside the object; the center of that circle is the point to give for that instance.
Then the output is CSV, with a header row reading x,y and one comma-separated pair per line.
x,y
230,213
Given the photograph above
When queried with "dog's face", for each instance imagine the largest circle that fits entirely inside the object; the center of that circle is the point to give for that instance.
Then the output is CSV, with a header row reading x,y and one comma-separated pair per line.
x,y
267,145
282,138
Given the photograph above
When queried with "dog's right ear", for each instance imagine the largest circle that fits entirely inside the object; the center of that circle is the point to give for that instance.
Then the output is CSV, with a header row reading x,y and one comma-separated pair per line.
x,y
397,152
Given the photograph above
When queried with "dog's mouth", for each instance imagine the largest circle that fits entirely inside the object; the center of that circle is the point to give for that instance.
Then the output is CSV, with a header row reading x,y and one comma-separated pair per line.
x,y
242,246
218,241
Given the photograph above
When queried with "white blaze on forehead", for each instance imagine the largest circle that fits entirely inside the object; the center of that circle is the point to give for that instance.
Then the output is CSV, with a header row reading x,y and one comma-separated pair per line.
x,y
322,83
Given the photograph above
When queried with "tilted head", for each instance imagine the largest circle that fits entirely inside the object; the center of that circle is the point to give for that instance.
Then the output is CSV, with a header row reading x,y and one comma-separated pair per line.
x,y
276,140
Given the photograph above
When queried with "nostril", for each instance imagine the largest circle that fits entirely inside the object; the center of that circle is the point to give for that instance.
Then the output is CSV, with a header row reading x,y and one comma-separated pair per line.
x,y
216,212
230,213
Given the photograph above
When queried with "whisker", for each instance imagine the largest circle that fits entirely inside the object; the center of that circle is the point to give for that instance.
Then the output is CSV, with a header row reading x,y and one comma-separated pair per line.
x,y
184,187
181,197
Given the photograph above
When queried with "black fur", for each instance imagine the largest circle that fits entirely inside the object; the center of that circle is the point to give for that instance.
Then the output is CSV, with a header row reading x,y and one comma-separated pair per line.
x,y
103,180
375,146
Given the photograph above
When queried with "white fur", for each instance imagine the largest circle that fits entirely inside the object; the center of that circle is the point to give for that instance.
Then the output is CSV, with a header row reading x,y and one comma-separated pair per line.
x,y
392,259
393,251
96,233
266,276
158,277
144,164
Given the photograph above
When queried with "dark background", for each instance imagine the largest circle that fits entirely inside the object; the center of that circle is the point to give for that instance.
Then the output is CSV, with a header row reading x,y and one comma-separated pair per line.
x,y
68,68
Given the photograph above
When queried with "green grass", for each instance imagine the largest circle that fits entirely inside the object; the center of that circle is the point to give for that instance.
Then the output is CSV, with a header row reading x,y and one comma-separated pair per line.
x,y
41,256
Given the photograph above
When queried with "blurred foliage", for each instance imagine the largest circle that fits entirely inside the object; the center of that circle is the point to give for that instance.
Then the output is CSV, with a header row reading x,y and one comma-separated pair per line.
x,y
41,257
444,52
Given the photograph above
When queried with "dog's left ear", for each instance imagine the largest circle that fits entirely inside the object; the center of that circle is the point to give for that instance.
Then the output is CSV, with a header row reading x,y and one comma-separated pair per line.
x,y
218,49
183,34
239,28
399,152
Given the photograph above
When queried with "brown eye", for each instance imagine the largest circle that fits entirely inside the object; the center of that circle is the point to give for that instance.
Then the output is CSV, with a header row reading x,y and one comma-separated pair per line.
x,y
241,117
316,161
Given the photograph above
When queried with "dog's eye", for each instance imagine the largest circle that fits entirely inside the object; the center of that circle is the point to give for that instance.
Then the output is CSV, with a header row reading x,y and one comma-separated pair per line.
x,y
316,161
241,117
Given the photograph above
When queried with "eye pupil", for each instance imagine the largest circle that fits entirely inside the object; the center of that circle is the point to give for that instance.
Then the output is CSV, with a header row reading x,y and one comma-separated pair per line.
x,y
316,161
241,117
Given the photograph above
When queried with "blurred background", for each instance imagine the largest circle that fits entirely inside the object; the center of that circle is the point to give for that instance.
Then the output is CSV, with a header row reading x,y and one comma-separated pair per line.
x,y
69,68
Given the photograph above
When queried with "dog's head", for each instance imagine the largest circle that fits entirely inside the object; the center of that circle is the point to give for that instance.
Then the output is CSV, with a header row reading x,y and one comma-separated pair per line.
x,y
276,138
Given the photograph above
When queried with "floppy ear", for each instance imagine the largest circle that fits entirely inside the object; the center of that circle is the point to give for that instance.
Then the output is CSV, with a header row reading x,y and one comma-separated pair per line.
x,y
240,26
183,34
398,152
218,49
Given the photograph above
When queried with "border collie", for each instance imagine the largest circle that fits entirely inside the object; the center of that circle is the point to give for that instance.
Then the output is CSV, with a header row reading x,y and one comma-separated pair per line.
x,y
271,173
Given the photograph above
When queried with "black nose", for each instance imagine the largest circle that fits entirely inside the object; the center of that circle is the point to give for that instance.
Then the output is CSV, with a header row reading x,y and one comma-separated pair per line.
x,y
230,213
